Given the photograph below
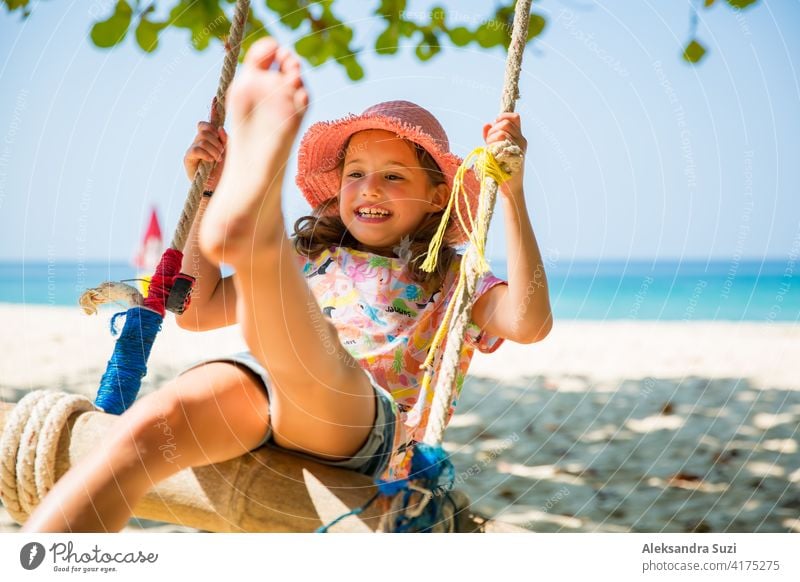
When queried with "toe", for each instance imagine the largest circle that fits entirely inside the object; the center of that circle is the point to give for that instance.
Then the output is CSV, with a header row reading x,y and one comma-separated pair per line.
x,y
288,61
301,101
289,66
262,53
281,56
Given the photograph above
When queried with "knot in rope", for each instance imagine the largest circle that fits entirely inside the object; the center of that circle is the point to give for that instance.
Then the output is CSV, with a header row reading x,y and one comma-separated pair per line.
x,y
486,166
509,155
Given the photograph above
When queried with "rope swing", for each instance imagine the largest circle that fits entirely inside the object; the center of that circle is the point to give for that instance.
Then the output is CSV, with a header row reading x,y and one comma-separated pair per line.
x,y
423,502
169,288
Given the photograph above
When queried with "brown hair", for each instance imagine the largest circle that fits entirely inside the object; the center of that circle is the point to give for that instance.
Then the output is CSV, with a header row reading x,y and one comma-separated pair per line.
x,y
316,232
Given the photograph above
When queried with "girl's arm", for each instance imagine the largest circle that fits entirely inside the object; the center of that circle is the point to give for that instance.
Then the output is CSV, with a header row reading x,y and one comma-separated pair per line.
x,y
213,301
520,311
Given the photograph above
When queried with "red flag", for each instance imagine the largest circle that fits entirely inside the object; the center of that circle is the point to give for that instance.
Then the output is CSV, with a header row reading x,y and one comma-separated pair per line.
x,y
152,246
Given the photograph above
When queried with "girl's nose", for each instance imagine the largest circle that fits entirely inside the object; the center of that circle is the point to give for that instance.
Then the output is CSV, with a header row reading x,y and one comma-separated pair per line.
x,y
370,186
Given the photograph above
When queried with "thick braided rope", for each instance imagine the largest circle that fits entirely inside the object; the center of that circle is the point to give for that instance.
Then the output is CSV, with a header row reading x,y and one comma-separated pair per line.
x,y
9,445
233,46
29,445
471,266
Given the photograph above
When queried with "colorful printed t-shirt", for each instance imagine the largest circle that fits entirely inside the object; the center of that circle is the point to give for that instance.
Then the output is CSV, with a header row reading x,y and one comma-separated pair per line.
x,y
387,322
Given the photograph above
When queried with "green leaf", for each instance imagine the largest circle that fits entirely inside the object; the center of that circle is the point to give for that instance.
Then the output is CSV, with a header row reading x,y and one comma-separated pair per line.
x,y
708,3
281,6
391,9
290,12
112,31
484,36
460,36
535,26
204,19
147,34
387,41
294,19
354,70
438,16
505,13
490,34
316,49
309,46
182,15
424,52
428,46
408,28
740,4
16,5
13,5
341,33
694,52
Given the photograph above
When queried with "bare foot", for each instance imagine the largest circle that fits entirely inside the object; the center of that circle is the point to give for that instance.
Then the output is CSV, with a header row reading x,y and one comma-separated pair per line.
x,y
265,109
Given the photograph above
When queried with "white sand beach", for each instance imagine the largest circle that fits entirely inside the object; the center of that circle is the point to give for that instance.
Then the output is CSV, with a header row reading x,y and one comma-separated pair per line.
x,y
603,427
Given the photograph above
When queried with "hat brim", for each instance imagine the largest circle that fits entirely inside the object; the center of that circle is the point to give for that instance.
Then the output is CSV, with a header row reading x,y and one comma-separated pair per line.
x,y
322,150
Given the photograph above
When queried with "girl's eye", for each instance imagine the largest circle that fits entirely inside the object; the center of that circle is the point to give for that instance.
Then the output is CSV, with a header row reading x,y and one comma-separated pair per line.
x,y
388,176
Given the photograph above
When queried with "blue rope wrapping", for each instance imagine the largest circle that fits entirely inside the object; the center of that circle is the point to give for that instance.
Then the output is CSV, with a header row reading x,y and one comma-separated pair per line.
x,y
120,384
356,511
431,469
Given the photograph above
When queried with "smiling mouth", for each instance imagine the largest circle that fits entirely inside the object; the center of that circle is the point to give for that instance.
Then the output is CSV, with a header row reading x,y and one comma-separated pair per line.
x,y
372,213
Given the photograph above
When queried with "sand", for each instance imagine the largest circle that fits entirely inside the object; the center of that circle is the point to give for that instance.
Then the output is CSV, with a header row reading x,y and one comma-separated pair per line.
x,y
618,426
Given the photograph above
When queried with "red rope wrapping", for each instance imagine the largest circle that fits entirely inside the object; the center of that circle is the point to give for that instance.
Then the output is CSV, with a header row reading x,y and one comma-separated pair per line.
x,y
161,282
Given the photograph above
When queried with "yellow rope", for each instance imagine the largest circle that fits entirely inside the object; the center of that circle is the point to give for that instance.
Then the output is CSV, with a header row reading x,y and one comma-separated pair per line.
x,y
427,365
487,166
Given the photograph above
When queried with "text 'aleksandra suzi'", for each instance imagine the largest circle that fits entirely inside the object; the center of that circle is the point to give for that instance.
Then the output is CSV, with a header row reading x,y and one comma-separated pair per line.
x,y
694,548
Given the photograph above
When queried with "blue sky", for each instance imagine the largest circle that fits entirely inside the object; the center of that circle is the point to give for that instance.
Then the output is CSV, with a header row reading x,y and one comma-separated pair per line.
x,y
632,154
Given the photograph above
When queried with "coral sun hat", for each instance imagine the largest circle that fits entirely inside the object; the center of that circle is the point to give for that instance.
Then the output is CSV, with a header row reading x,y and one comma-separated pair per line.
x,y
322,149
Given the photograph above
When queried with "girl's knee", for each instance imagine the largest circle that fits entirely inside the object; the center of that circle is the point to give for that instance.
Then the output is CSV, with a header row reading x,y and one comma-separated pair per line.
x,y
156,426
209,414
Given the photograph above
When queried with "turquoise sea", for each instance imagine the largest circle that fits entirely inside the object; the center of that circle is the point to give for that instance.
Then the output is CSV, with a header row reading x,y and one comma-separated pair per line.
x,y
766,291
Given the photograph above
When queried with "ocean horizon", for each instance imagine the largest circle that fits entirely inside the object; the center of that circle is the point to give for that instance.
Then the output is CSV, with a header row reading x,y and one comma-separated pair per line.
x,y
648,290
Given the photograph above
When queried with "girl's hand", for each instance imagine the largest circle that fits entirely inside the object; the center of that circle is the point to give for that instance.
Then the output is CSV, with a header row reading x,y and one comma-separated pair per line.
x,y
208,145
508,126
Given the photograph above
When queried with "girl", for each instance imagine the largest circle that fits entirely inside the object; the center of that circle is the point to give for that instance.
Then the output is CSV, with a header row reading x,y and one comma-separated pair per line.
x,y
337,319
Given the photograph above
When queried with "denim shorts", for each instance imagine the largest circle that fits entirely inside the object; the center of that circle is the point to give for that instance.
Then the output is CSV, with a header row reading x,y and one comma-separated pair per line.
x,y
372,458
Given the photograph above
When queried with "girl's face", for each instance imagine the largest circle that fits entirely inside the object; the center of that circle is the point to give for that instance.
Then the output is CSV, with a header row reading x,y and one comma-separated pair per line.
x,y
385,193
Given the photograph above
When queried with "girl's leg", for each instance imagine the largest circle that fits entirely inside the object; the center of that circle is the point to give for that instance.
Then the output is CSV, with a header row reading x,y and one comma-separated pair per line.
x,y
208,415
323,403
